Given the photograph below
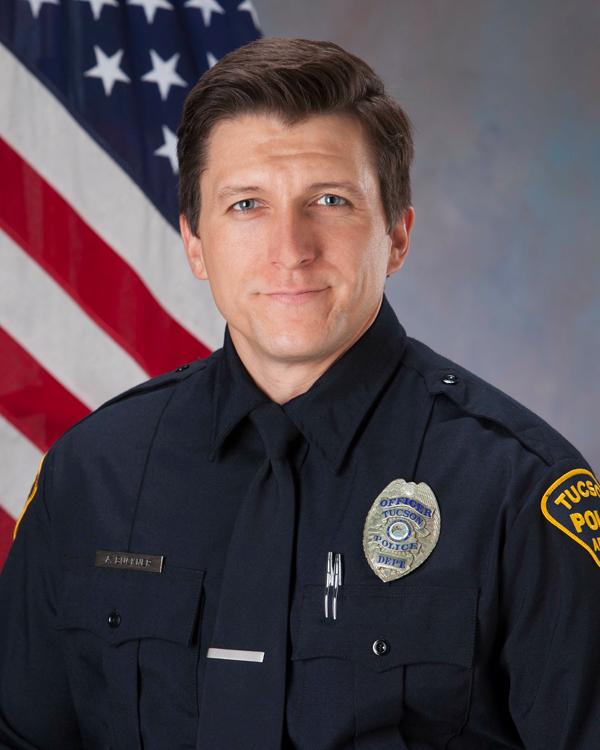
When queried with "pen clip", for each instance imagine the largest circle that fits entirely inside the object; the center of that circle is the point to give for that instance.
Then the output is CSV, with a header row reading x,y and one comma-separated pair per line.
x,y
333,581
337,582
328,581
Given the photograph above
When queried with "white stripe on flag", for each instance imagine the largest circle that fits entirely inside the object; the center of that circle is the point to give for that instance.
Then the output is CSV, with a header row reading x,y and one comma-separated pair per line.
x,y
46,136
48,324
18,465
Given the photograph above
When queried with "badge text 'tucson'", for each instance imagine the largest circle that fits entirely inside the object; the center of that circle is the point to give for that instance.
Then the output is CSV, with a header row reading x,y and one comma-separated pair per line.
x,y
573,505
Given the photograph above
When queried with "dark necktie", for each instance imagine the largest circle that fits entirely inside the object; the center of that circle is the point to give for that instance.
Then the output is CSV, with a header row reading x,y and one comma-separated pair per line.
x,y
244,684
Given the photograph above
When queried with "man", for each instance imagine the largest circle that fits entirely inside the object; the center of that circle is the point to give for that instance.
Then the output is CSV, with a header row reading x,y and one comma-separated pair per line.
x,y
324,535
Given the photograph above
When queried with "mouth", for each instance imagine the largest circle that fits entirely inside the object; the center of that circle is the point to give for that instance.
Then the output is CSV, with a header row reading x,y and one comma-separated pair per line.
x,y
296,296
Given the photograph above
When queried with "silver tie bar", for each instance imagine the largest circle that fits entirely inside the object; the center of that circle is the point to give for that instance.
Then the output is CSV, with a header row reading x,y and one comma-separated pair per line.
x,y
234,654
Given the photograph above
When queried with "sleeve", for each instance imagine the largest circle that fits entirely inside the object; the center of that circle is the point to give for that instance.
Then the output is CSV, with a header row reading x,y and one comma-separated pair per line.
x,y
36,710
550,594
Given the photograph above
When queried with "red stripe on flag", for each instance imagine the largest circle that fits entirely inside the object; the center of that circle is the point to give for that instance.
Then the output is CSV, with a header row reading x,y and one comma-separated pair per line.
x,y
98,279
31,399
7,526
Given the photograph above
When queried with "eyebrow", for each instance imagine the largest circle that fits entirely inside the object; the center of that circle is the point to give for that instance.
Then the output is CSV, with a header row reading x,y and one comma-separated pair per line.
x,y
230,190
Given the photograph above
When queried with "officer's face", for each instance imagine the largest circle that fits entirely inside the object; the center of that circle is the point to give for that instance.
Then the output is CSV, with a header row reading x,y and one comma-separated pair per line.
x,y
292,235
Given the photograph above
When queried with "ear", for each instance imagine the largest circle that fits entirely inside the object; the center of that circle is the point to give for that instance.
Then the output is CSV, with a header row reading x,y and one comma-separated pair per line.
x,y
400,240
193,249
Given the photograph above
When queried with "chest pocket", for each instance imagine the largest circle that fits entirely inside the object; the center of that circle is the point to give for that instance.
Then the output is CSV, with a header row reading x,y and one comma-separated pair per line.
x,y
394,670
131,641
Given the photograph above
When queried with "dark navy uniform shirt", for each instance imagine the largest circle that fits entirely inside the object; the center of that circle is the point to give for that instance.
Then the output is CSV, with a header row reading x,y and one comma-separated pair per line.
x,y
493,642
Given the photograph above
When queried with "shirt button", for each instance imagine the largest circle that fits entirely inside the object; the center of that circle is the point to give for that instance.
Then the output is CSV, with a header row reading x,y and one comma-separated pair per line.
x,y
450,379
381,647
114,619
182,368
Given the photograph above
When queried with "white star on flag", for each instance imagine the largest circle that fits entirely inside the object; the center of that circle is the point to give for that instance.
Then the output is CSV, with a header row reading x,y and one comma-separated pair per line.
x,y
169,148
208,7
107,68
37,4
151,6
212,60
163,73
247,5
97,6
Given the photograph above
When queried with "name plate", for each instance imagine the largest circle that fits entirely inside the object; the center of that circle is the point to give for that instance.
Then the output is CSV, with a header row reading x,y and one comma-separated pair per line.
x,y
129,561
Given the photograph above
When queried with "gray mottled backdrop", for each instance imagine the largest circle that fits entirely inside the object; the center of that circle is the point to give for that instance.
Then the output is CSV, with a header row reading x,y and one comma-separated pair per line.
x,y
503,275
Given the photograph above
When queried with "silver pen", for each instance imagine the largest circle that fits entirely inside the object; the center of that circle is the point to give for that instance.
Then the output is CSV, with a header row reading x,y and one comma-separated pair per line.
x,y
333,581
337,582
328,581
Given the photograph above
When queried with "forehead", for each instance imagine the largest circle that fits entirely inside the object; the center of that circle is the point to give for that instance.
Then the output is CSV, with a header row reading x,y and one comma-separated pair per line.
x,y
263,146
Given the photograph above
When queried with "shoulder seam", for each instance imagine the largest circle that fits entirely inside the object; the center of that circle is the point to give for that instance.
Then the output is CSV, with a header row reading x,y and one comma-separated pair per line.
x,y
143,477
549,461
140,389
150,386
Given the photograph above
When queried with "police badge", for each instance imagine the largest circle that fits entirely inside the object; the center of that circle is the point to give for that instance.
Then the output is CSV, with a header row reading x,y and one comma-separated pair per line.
x,y
401,530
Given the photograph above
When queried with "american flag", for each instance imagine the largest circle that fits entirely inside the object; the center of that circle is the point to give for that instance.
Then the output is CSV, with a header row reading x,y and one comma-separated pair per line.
x,y
95,291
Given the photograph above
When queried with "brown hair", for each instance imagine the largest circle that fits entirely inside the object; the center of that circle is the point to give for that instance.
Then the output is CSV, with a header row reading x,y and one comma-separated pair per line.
x,y
294,79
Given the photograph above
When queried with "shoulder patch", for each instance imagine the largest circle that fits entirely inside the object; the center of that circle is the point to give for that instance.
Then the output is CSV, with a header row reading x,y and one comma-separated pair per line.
x,y
31,495
573,504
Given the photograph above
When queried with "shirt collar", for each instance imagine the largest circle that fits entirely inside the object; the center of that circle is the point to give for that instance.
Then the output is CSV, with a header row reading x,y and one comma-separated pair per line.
x,y
331,411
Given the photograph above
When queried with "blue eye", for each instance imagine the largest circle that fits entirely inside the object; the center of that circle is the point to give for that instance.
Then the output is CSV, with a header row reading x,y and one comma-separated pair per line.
x,y
245,205
331,200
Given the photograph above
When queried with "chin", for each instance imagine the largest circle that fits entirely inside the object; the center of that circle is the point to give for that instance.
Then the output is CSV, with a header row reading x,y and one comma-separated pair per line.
x,y
297,345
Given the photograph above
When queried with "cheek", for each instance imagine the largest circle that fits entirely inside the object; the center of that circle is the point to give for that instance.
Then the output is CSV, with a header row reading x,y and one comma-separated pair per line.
x,y
238,245
363,264
226,257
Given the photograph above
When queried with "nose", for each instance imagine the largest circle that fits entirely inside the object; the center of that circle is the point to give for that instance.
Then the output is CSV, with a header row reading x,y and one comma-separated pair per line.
x,y
292,243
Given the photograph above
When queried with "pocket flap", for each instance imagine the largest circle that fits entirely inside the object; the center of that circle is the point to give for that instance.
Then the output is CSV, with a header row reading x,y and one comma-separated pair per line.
x,y
141,605
419,625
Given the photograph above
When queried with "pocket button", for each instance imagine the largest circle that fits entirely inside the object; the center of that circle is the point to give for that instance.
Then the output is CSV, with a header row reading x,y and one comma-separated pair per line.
x,y
114,619
381,647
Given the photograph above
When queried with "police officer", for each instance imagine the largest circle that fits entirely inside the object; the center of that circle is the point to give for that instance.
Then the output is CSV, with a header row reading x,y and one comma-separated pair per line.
x,y
324,535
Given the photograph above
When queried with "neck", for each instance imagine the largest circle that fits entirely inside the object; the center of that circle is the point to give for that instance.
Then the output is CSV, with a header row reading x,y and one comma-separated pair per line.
x,y
282,380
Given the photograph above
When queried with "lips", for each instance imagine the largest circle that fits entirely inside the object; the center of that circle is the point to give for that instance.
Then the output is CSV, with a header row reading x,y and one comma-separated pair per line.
x,y
295,296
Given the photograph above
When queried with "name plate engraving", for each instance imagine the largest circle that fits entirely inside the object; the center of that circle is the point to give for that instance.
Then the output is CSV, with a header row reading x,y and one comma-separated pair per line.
x,y
129,561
